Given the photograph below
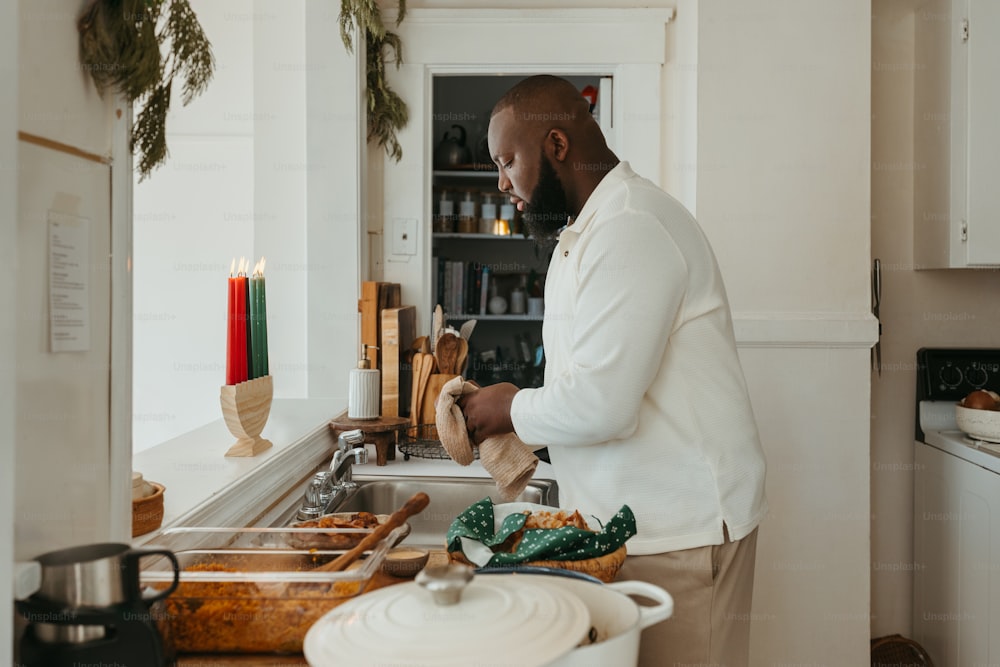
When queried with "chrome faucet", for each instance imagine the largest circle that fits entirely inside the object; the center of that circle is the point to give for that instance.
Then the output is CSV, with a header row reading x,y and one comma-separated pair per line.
x,y
330,485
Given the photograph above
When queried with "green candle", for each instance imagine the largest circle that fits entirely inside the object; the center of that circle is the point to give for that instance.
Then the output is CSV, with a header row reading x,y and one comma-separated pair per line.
x,y
254,326
259,302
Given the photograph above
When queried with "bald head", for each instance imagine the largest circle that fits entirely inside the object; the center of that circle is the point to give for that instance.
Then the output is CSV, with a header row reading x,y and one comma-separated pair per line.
x,y
542,102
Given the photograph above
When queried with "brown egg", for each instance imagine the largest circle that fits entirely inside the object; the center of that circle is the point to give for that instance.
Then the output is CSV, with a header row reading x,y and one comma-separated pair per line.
x,y
980,400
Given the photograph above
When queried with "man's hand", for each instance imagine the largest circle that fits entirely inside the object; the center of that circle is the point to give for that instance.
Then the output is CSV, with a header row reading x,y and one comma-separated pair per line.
x,y
487,411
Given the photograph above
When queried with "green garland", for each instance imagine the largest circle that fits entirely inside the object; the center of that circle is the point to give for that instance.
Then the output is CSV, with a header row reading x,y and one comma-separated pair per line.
x,y
120,44
387,112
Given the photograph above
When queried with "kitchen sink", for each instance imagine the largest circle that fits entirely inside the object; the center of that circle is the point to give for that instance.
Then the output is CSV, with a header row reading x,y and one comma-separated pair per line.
x,y
448,497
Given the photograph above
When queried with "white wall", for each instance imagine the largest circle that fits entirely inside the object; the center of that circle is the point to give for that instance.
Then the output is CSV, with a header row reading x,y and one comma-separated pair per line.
x,y
8,304
783,154
942,308
63,399
256,168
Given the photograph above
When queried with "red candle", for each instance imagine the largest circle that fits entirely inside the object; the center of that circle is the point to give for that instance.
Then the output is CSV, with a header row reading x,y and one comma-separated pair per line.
x,y
231,347
240,342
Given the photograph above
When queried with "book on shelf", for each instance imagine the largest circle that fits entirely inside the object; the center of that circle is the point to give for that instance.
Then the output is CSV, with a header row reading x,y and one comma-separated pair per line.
x,y
484,289
463,287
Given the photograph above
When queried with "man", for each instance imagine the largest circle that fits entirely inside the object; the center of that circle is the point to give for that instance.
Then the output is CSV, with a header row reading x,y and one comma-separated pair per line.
x,y
644,401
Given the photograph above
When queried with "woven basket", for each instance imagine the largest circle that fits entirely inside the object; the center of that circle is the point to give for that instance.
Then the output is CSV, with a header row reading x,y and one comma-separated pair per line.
x,y
603,567
147,513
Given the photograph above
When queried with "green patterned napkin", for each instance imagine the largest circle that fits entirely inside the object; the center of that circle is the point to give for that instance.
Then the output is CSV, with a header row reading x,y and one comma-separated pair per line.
x,y
476,530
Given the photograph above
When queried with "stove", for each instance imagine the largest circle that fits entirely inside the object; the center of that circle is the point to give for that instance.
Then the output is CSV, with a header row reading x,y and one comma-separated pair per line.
x,y
956,521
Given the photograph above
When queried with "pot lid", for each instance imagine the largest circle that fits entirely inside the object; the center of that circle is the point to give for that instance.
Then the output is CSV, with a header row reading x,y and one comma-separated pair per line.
x,y
500,619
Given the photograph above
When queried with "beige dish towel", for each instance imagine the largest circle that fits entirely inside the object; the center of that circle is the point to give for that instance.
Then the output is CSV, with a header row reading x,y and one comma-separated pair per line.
x,y
510,462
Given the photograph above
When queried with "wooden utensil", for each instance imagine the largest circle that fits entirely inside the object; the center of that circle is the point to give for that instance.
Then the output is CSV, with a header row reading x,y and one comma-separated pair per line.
x,y
437,326
427,367
418,362
428,410
465,331
422,344
446,353
413,506
463,356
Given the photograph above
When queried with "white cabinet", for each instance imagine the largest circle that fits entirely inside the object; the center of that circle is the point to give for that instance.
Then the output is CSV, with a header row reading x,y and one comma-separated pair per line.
x,y
956,137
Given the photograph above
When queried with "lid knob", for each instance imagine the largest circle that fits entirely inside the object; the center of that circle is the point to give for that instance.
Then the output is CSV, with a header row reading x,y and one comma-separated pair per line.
x,y
445,582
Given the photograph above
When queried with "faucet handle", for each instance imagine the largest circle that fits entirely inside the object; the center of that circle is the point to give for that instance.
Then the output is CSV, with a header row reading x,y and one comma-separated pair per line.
x,y
312,502
360,455
350,440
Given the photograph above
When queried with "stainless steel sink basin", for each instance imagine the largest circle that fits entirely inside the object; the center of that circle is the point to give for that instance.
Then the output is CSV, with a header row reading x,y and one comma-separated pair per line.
x,y
448,497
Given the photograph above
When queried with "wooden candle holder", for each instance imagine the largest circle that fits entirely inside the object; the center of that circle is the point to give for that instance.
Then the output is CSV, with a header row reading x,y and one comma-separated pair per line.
x,y
245,408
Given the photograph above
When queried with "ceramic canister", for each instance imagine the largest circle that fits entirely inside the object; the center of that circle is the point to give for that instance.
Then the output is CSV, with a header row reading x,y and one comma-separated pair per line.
x,y
363,393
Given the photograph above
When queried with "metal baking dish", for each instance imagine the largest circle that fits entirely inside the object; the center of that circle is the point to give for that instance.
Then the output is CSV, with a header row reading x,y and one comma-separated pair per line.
x,y
247,590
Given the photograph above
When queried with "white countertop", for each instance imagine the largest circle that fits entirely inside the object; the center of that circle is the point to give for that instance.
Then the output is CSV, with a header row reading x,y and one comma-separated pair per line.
x,y
193,467
205,487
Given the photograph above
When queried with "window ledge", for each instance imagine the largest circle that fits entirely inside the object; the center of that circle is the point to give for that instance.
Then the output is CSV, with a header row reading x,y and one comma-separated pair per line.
x,y
204,487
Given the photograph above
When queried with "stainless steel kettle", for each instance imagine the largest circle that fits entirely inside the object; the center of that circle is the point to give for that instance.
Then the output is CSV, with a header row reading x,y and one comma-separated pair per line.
x,y
452,152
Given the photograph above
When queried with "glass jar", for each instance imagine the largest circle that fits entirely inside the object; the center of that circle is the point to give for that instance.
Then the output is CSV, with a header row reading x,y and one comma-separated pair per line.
x,y
505,224
488,215
444,220
467,221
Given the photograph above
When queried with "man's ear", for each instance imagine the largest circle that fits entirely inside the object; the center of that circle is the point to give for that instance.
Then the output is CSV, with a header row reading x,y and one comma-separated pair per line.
x,y
557,144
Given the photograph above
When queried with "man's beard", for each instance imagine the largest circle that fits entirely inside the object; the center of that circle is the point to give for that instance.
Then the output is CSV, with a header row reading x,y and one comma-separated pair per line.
x,y
548,211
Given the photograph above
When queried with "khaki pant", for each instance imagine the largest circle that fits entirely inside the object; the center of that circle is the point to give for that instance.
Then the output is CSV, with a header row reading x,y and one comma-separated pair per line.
x,y
712,588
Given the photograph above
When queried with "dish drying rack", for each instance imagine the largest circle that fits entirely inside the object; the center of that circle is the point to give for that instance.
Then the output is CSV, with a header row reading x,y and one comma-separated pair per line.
x,y
421,441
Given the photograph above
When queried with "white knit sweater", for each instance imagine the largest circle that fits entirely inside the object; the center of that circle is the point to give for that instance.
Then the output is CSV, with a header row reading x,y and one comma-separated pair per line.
x,y
644,401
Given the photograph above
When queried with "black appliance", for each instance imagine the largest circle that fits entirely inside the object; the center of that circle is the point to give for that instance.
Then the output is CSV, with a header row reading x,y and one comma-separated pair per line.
x,y
89,610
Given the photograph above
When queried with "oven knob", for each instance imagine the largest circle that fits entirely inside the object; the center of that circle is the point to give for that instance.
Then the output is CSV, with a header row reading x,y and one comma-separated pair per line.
x,y
977,375
951,376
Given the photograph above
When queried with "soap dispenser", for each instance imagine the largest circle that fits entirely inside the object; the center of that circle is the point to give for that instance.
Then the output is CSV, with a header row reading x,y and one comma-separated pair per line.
x,y
363,390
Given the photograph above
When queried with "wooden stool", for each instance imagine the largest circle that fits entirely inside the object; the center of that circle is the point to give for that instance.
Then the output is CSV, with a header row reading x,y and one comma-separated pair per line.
x,y
383,431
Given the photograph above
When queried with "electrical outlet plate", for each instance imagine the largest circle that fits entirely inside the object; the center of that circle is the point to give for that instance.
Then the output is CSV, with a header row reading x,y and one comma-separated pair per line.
x,y
404,236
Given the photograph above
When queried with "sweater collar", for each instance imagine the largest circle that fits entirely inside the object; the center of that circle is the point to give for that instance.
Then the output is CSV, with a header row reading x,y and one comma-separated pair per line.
x,y
621,172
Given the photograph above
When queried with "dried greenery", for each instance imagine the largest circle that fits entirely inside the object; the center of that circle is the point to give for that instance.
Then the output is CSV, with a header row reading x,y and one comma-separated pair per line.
x,y
120,42
387,112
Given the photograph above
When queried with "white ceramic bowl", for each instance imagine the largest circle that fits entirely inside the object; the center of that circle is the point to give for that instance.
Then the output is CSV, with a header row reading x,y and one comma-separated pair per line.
x,y
978,424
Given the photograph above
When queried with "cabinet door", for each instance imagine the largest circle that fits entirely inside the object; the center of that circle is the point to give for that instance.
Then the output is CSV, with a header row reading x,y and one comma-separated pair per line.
x,y
983,97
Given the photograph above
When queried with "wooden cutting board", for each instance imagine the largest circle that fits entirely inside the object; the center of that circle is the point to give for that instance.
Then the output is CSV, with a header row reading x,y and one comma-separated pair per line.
x,y
375,297
399,329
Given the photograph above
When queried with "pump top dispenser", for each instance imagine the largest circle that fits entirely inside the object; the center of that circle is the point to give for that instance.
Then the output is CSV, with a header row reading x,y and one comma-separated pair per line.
x,y
363,389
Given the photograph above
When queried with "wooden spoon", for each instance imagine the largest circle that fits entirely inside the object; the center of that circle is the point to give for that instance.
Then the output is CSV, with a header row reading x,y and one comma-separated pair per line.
x,y
437,326
463,356
465,331
418,362
426,368
414,505
446,353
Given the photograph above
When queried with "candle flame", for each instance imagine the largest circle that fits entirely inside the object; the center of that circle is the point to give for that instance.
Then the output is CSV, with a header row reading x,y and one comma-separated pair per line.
x,y
232,267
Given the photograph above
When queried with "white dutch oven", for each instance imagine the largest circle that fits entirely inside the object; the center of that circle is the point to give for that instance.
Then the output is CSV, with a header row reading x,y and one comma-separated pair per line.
x,y
501,619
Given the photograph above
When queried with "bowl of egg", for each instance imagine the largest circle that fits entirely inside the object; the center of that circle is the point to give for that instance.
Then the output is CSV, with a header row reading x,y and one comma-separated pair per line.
x,y
978,415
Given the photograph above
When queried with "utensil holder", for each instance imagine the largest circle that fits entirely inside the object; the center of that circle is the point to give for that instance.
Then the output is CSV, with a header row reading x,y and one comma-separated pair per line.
x,y
245,408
